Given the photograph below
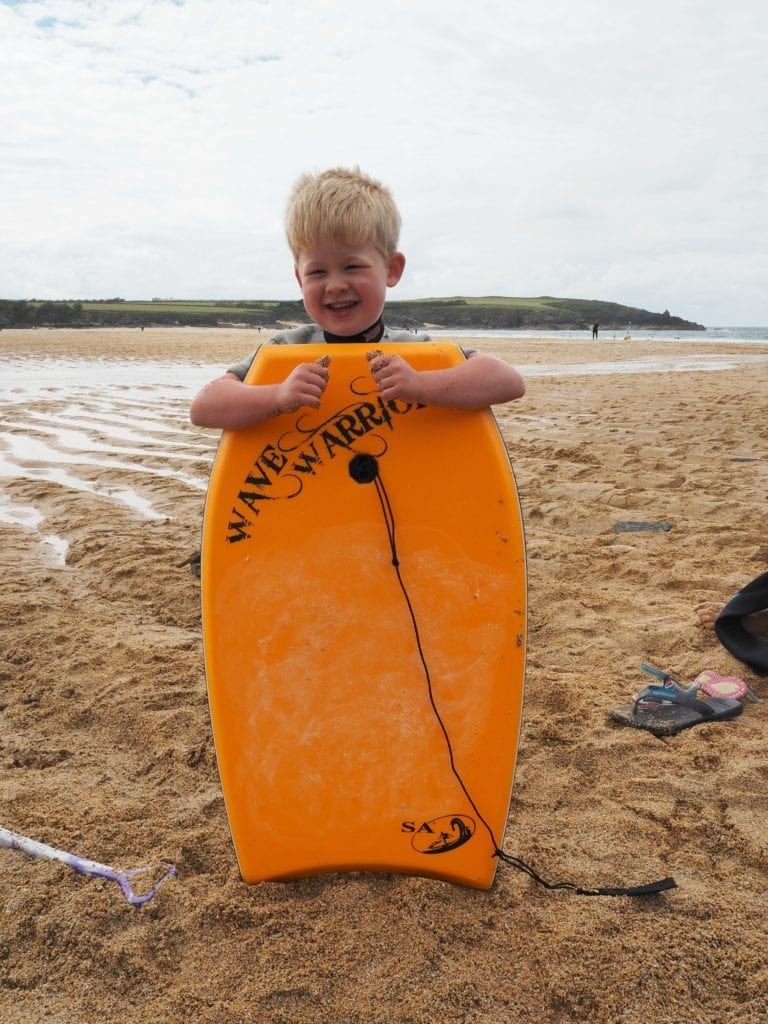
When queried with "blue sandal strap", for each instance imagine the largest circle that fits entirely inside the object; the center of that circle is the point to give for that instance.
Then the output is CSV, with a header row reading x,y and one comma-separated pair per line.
x,y
674,695
657,672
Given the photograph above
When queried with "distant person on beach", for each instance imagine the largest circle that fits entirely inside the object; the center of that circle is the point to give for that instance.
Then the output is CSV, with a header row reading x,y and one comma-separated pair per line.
x,y
343,229
595,329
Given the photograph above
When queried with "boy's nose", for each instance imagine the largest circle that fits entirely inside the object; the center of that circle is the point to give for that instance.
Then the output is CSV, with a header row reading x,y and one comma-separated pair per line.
x,y
335,283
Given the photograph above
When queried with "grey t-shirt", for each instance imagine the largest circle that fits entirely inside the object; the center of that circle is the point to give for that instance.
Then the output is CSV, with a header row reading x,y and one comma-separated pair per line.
x,y
312,334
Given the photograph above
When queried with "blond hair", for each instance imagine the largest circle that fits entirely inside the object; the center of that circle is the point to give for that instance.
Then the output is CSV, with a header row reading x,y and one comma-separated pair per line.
x,y
341,205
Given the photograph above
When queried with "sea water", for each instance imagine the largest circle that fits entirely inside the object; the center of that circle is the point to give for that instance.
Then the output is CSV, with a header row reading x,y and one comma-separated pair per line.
x,y
740,335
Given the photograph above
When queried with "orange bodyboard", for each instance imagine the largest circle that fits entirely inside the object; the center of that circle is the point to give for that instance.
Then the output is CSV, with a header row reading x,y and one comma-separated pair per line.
x,y
366,714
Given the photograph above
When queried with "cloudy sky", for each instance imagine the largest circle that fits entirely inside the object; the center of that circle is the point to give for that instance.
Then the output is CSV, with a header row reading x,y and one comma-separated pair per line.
x,y
611,149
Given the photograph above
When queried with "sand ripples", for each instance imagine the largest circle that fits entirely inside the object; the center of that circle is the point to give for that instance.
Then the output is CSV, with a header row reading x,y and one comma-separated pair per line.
x,y
109,429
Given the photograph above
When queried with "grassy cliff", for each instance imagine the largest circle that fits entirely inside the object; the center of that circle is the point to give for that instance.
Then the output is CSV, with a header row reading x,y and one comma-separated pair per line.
x,y
486,312
542,313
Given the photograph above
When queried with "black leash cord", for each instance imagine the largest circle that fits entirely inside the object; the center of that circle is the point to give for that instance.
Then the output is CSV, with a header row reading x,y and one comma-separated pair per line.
x,y
372,476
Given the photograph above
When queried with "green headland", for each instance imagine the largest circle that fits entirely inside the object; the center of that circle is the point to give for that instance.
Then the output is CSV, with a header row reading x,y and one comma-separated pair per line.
x,y
490,312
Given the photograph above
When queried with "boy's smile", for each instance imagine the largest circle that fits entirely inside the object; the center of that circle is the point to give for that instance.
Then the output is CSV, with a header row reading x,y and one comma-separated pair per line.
x,y
344,286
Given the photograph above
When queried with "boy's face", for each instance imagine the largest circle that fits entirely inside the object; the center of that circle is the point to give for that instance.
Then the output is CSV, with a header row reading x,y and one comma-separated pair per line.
x,y
344,286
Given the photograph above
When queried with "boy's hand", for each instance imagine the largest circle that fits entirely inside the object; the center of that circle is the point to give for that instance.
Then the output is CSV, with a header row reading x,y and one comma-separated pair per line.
x,y
304,385
395,377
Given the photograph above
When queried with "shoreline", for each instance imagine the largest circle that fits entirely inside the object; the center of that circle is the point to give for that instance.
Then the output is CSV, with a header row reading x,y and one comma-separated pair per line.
x,y
227,345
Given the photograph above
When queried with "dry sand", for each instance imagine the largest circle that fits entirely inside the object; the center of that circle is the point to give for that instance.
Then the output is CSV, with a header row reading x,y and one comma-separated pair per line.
x,y
106,748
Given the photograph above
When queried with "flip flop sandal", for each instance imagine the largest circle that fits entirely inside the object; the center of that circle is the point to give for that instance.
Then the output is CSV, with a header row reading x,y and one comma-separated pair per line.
x,y
666,710
708,681
715,685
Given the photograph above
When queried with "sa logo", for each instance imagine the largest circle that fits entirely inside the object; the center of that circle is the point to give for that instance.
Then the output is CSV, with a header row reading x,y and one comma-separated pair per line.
x,y
441,834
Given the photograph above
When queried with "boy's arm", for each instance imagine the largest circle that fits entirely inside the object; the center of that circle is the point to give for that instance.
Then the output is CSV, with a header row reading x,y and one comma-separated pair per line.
x,y
229,404
480,381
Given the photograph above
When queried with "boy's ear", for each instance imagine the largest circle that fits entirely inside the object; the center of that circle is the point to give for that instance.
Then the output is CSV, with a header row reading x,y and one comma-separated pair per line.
x,y
297,274
395,269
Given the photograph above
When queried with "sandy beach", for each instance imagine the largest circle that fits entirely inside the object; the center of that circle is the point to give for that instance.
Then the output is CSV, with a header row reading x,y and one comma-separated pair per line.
x,y
106,747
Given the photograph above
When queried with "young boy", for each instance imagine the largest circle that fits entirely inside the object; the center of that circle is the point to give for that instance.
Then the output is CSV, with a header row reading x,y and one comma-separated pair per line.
x,y
343,229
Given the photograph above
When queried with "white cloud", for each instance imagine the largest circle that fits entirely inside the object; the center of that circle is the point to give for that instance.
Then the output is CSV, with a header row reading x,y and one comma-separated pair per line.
x,y
578,148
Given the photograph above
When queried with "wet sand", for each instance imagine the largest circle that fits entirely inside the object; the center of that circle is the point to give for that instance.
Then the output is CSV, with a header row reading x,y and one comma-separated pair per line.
x,y
105,738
